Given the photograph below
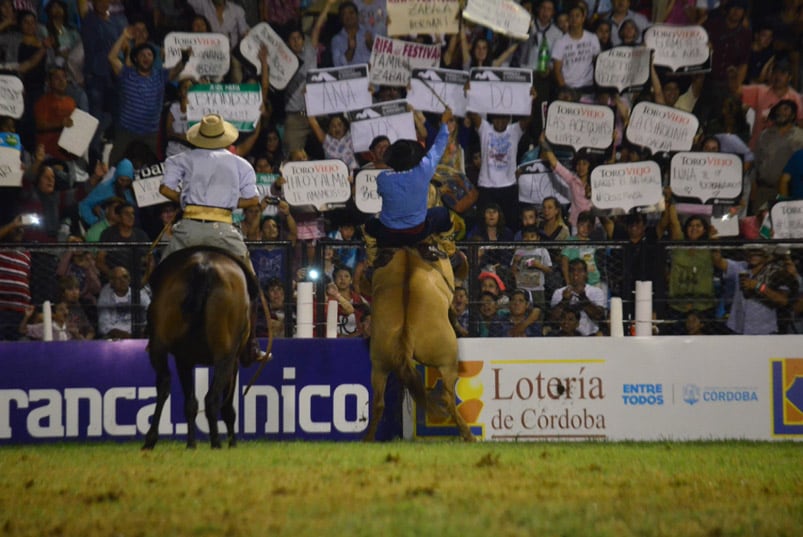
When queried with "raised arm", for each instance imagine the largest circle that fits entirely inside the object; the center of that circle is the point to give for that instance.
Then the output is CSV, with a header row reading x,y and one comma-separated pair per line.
x,y
114,54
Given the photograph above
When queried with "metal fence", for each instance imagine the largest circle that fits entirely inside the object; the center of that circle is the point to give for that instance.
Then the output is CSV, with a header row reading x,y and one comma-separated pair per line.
x,y
617,265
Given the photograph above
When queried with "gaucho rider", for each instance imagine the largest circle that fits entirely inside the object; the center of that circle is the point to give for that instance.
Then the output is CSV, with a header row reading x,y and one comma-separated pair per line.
x,y
209,182
405,219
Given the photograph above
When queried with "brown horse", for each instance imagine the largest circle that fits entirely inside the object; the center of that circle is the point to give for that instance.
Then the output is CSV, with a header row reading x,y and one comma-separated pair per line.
x,y
410,323
200,313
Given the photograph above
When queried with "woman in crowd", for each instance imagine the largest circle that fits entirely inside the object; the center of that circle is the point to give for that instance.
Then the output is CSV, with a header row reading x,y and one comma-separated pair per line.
x,y
176,121
553,227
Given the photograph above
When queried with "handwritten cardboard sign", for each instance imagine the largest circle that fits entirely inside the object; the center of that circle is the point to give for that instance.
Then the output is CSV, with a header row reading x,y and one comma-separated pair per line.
x,y
210,54
337,90
392,60
281,60
579,125
407,17
500,91
366,196
10,159
390,118
661,128
537,181
787,220
238,104
624,186
146,185
706,176
623,67
506,17
678,47
316,182
76,139
12,102
448,84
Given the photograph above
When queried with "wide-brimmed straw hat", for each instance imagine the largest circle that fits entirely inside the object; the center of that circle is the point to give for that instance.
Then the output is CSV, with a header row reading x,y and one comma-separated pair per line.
x,y
212,132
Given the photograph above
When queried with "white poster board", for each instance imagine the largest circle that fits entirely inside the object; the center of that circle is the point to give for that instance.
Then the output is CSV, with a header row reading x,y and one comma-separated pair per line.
x,y
12,102
316,182
500,91
708,177
337,90
392,60
537,181
678,47
661,128
76,139
389,118
623,67
787,220
146,185
209,58
238,104
505,16
406,17
10,159
579,125
449,86
366,196
625,186
281,60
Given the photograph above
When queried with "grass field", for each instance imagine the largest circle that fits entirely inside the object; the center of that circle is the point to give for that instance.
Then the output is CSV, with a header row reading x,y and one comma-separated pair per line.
x,y
404,488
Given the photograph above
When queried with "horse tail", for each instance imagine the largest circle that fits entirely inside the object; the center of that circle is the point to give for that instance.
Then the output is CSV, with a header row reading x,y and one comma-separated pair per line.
x,y
199,284
413,383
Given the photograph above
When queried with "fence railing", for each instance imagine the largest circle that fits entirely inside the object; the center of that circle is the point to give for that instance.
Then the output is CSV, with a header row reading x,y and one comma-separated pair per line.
x,y
680,272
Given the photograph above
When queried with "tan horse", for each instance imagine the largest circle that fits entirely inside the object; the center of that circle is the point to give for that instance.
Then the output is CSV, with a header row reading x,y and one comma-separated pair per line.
x,y
410,323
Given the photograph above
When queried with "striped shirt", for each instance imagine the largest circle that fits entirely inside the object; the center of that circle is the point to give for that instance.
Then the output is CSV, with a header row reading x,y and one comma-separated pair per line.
x,y
141,99
15,278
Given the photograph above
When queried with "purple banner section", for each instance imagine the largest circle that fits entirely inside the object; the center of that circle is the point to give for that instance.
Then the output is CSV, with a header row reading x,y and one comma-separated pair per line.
x,y
313,389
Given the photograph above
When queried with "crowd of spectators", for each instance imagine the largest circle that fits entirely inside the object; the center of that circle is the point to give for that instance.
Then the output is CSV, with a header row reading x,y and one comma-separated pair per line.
x,y
105,57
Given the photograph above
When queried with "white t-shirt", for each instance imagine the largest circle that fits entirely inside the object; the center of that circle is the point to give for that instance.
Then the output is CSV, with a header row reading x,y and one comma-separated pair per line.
x,y
577,57
596,295
499,150
528,276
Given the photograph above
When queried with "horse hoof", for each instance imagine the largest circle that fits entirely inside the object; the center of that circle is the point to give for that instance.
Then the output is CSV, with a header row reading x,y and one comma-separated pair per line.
x,y
147,447
191,445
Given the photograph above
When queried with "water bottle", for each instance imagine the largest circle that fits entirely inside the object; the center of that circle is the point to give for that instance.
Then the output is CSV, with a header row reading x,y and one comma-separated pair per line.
x,y
64,230
543,56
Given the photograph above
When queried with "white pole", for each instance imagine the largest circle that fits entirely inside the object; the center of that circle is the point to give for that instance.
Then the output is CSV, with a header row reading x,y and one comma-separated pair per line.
x,y
47,321
304,307
643,308
617,328
331,319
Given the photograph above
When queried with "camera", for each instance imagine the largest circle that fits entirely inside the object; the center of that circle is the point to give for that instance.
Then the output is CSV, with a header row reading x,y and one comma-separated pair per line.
x,y
272,200
30,220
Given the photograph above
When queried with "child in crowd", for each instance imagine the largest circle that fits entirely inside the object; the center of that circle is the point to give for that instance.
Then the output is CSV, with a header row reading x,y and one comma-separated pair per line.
x,y
523,320
460,308
341,291
491,322
569,323
530,266
77,320
336,140
37,330
585,224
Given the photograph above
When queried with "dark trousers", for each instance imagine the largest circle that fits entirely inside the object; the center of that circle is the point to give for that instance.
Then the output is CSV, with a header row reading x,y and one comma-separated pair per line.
x,y
437,221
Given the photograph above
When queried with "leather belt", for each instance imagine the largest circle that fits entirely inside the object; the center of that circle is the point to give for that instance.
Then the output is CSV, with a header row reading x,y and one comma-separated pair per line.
x,y
207,214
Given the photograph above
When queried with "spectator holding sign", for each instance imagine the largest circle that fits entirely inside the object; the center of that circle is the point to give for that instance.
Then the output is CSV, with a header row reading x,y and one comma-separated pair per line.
x,y
336,140
296,127
578,181
52,113
574,53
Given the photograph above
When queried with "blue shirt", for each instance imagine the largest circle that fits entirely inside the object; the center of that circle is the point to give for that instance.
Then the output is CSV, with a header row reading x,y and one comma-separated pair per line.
x,y
141,99
340,43
210,177
404,194
794,167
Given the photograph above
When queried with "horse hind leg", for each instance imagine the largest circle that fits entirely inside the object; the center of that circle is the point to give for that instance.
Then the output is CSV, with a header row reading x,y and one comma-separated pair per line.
x,y
221,382
449,379
379,379
227,411
159,362
185,375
